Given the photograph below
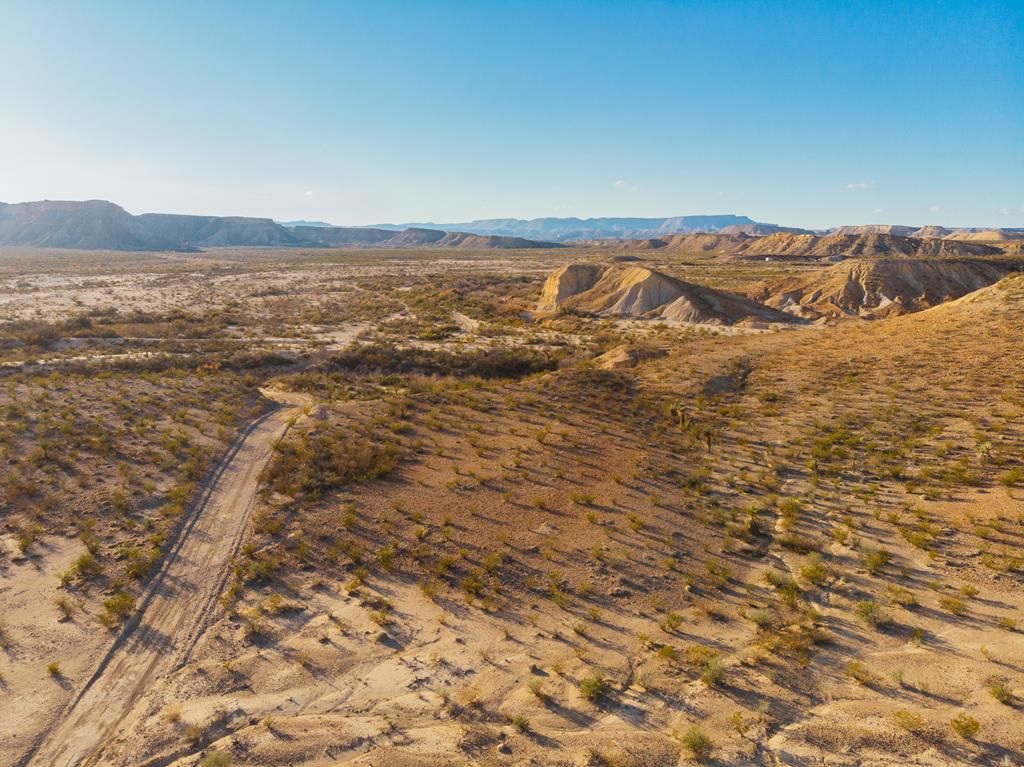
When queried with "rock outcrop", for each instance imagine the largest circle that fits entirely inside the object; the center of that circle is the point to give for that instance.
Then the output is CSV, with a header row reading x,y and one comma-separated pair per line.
x,y
880,287
629,290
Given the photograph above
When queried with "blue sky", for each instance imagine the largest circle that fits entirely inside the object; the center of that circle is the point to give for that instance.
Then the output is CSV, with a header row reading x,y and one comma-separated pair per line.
x,y
810,114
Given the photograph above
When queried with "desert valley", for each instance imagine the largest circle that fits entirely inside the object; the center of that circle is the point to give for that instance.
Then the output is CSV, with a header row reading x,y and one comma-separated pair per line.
x,y
617,492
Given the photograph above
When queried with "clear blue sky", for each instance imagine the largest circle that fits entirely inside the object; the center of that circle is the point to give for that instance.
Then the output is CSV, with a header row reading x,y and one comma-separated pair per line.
x,y
810,114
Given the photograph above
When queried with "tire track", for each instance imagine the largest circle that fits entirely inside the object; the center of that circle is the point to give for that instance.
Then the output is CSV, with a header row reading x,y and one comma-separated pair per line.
x,y
179,603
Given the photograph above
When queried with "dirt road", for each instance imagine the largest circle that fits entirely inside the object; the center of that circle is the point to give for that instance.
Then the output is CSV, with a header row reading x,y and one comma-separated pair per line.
x,y
177,606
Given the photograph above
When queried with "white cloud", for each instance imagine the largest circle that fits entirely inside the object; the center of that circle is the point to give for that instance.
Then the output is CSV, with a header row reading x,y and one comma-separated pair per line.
x,y
1004,211
308,193
859,184
877,211
934,208
623,184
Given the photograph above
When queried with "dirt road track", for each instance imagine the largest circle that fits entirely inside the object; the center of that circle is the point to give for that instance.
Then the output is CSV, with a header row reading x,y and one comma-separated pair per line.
x,y
178,605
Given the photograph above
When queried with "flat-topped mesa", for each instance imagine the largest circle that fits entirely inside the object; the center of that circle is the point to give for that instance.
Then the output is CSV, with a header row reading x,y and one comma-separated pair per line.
x,y
630,290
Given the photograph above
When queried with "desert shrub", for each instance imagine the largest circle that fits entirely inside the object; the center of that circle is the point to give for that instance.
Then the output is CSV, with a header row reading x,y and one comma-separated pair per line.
x,y
216,759
384,359
697,743
859,673
594,688
798,543
472,586
871,613
86,566
1001,691
713,672
116,608
698,655
953,605
875,560
30,333
965,725
901,596
671,621
761,618
321,461
814,570
140,561
719,574
536,688
907,720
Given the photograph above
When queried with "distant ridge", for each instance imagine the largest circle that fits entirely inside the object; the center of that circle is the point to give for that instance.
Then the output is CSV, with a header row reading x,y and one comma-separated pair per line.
x,y
563,229
293,224
809,246
101,225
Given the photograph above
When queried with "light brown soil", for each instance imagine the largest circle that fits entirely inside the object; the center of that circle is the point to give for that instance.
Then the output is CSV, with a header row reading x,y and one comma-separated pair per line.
x,y
181,598
803,545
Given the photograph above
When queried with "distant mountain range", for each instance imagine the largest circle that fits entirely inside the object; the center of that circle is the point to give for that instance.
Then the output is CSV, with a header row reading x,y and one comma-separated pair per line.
x,y
100,225
321,224
564,229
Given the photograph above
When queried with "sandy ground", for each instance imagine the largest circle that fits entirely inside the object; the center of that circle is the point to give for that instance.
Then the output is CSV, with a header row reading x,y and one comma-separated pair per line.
x,y
37,633
181,598
312,671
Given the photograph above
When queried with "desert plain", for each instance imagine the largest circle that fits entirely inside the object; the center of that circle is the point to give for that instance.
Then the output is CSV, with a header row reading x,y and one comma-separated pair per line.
x,y
609,504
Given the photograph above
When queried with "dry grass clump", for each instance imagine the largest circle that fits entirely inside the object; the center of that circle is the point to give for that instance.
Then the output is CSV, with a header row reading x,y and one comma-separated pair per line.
x,y
317,462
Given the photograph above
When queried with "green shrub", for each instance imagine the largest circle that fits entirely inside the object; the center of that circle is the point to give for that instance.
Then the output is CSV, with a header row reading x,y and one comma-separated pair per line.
x,y
859,673
953,605
594,688
116,608
1001,691
1012,477
965,725
875,560
869,612
907,720
814,570
217,759
713,672
697,743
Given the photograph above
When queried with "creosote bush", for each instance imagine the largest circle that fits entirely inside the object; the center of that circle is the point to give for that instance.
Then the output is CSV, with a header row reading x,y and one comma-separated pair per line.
x,y
594,688
697,744
965,725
